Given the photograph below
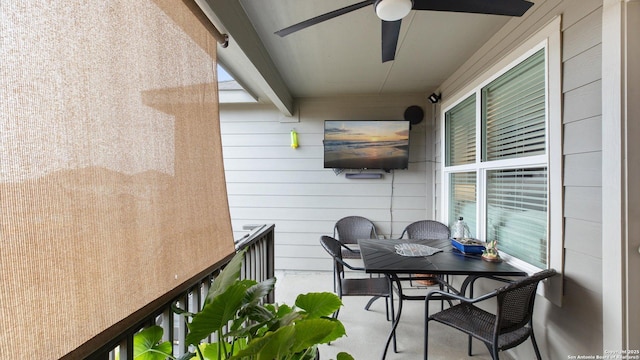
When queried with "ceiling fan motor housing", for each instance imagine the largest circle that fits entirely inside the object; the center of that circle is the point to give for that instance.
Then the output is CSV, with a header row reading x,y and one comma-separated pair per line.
x,y
392,10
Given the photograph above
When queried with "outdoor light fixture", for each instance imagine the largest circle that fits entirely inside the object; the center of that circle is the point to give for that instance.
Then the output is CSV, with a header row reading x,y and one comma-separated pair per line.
x,y
392,10
434,98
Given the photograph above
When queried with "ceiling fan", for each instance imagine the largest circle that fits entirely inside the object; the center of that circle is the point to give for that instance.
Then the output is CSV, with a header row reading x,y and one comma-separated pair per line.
x,y
391,13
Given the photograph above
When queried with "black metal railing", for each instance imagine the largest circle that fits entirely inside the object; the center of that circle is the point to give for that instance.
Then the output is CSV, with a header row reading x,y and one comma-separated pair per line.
x,y
258,265
259,259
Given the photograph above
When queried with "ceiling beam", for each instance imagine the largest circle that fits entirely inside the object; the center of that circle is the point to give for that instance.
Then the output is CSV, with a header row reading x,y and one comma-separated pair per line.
x,y
247,51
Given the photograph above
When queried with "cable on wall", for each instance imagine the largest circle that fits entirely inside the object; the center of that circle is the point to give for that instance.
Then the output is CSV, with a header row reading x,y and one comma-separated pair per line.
x,y
393,178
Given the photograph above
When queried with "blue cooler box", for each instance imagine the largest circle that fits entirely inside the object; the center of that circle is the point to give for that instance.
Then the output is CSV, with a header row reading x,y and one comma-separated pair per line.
x,y
468,246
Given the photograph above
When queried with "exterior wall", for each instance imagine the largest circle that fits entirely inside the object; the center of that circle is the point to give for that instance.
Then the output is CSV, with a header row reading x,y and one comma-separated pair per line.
x,y
269,182
575,328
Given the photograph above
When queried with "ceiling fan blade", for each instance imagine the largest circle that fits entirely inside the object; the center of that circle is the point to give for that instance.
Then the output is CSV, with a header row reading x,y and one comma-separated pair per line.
x,y
324,17
390,34
492,7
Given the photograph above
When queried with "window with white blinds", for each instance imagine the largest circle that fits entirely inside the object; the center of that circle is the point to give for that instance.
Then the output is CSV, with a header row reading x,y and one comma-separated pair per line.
x,y
514,113
502,192
462,199
460,132
517,213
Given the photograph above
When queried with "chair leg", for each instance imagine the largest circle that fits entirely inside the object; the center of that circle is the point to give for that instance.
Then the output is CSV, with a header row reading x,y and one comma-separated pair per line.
x,y
335,314
386,304
442,300
426,330
426,339
335,275
535,345
386,307
371,302
393,318
494,353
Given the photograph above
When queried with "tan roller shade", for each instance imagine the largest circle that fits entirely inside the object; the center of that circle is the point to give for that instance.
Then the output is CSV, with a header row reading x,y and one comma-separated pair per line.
x,y
112,186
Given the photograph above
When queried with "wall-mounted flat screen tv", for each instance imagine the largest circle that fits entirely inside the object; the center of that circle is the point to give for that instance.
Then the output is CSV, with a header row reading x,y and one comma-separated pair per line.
x,y
366,144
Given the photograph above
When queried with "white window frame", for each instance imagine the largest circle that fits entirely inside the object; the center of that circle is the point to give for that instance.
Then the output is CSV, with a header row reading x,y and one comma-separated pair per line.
x,y
549,38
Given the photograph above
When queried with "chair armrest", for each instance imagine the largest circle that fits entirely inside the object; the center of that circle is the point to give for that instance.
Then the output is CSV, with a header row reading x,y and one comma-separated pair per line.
x,y
347,265
348,248
353,267
443,295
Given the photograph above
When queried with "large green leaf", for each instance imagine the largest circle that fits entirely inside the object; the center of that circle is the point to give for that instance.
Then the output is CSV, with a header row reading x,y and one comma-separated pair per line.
x,y
257,313
338,332
274,345
210,351
344,356
147,345
187,356
218,312
287,318
257,292
252,306
310,332
227,276
319,304
308,354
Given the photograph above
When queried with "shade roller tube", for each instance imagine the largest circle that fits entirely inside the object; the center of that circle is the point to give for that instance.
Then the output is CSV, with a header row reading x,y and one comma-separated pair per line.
x,y
222,39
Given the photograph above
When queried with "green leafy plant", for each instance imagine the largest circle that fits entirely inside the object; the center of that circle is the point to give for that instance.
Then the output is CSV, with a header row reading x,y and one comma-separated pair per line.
x,y
245,328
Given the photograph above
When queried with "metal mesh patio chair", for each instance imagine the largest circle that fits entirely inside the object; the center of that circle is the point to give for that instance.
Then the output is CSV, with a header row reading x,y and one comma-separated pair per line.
x,y
511,324
376,287
351,286
426,229
348,230
351,228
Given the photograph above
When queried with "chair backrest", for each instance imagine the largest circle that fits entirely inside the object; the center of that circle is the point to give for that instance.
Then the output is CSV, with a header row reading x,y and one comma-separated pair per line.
x,y
351,228
332,246
515,302
426,229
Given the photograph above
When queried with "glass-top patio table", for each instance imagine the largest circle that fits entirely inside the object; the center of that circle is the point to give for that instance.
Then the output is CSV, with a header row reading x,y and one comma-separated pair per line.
x,y
380,257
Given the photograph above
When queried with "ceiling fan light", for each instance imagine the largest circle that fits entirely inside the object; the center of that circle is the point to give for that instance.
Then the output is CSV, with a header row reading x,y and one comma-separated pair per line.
x,y
392,10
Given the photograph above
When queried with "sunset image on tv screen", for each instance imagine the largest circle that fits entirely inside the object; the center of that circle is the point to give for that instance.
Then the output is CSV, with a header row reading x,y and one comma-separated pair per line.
x,y
366,144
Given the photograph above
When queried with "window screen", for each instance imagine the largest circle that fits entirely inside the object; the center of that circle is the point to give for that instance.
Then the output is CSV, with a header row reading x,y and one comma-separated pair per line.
x,y
517,212
513,112
461,133
462,199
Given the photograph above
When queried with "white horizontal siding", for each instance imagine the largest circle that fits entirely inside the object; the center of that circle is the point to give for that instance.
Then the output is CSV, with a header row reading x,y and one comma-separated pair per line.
x,y
583,136
269,182
584,237
583,69
319,202
582,35
583,169
579,104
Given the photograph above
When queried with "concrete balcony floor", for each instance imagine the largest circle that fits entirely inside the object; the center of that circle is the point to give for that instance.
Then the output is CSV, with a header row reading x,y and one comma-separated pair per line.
x,y
367,331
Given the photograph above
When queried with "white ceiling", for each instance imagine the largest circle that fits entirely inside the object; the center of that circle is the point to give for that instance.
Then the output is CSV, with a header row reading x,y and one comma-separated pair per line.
x,y
341,56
